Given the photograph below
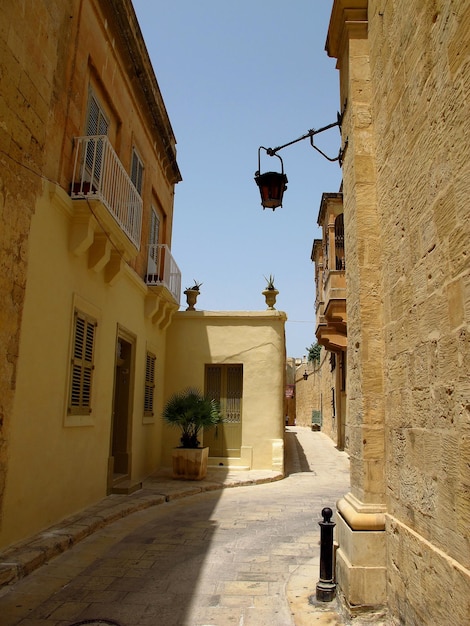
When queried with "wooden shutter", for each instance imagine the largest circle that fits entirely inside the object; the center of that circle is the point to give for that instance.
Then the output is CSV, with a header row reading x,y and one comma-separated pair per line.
x,y
154,227
214,382
137,171
97,124
153,268
82,364
149,384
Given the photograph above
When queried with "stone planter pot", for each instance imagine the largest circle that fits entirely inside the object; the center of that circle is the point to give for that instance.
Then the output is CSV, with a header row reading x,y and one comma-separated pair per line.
x,y
270,296
191,298
190,463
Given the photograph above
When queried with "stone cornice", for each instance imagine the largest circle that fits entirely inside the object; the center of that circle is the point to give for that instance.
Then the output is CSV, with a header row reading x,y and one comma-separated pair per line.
x,y
142,72
327,199
348,21
270,315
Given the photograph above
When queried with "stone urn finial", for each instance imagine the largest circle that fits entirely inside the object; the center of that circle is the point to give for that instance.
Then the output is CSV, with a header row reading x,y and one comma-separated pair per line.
x,y
270,293
191,294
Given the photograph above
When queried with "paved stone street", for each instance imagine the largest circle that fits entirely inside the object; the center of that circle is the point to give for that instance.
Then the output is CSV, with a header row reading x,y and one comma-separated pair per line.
x,y
247,556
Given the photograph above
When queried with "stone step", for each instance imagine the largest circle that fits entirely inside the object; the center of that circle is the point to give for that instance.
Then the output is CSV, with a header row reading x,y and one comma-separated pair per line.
x,y
126,487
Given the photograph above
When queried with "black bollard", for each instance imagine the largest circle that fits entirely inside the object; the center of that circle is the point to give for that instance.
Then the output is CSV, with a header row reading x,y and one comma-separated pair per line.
x,y
326,588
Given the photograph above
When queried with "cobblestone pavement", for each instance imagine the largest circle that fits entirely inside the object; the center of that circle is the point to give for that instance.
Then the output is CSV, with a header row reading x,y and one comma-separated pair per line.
x,y
207,556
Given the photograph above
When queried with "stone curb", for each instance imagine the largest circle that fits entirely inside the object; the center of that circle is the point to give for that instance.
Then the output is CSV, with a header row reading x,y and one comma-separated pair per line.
x,y
23,558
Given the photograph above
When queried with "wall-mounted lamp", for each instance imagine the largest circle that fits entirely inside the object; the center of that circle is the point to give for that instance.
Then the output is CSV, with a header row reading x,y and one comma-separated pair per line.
x,y
306,375
273,184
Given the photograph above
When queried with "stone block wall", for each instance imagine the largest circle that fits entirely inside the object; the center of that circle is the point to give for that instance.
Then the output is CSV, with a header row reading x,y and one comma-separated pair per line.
x,y
30,56
315,393
420,78
307,394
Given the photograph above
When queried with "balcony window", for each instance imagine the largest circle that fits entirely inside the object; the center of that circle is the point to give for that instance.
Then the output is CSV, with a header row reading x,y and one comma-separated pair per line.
x,y
162,269
339,242
97,124
98,174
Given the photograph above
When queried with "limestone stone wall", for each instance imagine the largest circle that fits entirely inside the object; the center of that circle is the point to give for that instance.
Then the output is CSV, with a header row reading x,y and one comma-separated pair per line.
x,y
307,393
420,80
364,434
31,59
316,393
405,74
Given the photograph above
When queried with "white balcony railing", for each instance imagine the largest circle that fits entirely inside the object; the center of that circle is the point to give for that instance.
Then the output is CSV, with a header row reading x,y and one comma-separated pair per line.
x,y
99,174
163,270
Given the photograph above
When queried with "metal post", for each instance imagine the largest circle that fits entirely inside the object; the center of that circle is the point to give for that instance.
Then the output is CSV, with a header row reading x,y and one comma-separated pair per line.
x,y
326,588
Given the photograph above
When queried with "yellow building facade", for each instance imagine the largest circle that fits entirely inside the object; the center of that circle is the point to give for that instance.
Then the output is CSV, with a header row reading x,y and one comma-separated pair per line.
x,y
233,355
403,536
91,337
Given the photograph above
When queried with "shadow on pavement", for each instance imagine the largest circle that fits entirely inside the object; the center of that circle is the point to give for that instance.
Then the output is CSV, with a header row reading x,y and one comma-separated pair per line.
x,y
295,459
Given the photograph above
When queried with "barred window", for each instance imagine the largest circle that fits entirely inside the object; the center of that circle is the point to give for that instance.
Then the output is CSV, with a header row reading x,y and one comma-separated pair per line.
x,y
149,384
82,365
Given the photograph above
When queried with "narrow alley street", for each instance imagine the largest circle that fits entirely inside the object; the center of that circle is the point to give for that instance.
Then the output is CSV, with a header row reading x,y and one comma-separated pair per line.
x,y
247,556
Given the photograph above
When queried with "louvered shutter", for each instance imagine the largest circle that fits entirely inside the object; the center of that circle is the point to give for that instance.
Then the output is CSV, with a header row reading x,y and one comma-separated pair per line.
x,y
97,124
82,364
149,384
137,171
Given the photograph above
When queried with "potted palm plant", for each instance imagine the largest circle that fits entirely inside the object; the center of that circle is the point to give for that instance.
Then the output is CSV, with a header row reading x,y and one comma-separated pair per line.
x,y
270,292
190,411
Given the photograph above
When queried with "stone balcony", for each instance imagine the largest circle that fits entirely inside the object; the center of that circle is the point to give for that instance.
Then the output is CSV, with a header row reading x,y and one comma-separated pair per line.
x,y
331,316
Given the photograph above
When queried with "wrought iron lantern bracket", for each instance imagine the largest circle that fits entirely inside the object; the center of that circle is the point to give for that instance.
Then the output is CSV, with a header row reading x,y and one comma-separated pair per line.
x,y
310,135
273,184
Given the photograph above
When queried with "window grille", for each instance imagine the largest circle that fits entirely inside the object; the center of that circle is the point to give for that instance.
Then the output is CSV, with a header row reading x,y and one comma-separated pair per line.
x,y
82,365
224,383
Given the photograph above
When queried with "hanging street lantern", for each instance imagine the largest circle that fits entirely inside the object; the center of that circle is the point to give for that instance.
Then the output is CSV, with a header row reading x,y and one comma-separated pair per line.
x,y
271,185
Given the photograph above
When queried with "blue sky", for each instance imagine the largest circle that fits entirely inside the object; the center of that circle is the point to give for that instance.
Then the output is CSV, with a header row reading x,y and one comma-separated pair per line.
x,y
235,76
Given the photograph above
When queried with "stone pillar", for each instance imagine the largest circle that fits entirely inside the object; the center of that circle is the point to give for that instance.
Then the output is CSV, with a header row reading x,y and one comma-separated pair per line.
x,y
361,564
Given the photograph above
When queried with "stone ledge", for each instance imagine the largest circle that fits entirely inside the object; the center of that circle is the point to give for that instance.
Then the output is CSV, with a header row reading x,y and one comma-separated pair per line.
x,y
360,516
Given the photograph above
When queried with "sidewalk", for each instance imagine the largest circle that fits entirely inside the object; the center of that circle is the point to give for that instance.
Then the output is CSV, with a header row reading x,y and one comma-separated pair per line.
x,y
246,546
